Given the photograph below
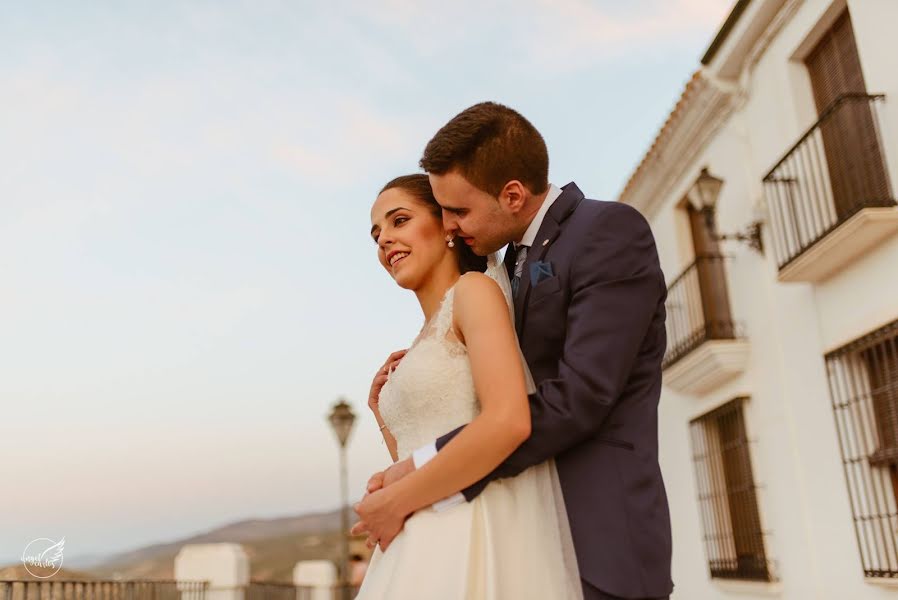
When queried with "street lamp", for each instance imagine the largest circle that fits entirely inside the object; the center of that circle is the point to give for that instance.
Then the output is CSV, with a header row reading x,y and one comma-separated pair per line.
x,y
342,419
706,190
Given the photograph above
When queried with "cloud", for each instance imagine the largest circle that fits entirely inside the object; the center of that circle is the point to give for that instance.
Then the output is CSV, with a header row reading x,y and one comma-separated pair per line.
x,y
554,34
363,140
579,33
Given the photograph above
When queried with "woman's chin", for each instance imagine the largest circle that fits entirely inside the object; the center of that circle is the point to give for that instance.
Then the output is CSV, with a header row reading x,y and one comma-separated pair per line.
x,y
404,281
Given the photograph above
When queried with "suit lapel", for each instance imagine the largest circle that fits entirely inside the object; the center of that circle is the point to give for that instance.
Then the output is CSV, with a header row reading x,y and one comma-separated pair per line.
x,y
549,230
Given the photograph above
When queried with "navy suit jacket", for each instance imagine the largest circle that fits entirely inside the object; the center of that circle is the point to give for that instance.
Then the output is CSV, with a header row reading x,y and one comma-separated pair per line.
x,y
593,336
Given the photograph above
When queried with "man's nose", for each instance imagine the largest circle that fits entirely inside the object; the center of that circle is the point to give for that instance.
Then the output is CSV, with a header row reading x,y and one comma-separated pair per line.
x,y
449,222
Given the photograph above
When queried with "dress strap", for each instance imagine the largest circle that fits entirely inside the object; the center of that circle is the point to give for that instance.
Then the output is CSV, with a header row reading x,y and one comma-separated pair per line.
x,y
442,321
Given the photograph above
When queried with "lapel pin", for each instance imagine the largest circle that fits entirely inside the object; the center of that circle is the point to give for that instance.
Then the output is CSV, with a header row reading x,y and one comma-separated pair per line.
x,y
545,242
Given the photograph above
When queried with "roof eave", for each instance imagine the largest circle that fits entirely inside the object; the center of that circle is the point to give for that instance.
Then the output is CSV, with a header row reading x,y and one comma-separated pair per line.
x,y
725,31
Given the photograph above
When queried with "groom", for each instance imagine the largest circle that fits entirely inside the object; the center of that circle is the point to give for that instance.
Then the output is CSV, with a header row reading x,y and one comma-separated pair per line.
x,y
589,312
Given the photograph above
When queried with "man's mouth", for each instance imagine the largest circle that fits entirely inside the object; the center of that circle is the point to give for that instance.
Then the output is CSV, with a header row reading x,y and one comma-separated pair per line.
x,y
469,241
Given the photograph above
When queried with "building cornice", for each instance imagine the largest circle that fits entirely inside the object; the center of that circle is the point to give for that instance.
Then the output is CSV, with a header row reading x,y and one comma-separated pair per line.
x,y
725,30
736,42
702,108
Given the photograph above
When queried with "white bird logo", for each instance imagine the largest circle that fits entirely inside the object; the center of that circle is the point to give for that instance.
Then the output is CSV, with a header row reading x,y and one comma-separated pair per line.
x,y
49,558
53,554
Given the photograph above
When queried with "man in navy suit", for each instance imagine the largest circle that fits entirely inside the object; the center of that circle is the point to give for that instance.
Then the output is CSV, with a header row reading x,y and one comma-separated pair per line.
x,y
589,312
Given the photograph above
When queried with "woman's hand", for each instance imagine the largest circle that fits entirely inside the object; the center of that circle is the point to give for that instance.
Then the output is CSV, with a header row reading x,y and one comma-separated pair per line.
x,y
380,378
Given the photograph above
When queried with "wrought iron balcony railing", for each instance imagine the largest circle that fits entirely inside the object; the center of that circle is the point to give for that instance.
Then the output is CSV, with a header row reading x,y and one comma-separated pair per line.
x,y
698,308
834,171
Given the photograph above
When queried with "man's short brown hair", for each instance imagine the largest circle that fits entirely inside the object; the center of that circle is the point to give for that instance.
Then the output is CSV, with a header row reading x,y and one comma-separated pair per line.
x,y
490,145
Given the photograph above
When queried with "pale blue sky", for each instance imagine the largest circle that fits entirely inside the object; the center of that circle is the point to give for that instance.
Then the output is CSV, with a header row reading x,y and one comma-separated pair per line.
x,y
186,279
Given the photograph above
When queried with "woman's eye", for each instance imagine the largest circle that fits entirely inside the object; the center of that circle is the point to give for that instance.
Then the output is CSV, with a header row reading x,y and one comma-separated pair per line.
x,y
400,220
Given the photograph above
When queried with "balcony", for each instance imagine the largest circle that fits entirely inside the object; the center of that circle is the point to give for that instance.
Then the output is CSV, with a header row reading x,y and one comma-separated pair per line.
x,y
704,349
829,197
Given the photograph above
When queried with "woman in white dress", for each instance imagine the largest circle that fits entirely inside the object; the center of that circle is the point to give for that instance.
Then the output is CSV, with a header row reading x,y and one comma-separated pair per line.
x,y
513,540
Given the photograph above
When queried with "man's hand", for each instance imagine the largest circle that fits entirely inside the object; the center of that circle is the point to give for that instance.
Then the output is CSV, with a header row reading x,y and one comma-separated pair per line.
x,y
394,473
381,517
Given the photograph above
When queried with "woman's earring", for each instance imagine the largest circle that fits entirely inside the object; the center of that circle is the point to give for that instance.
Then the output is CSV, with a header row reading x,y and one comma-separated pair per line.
x,y
450,242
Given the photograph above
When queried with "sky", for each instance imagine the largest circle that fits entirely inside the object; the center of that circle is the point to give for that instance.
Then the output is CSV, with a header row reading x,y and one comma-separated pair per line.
x,y
187,283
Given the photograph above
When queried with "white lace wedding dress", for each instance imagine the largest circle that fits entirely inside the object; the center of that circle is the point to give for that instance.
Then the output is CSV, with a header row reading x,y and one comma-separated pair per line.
x,y
511,542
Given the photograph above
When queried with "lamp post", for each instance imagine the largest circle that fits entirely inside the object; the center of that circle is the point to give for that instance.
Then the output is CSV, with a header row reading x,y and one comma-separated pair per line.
x,y
707,189
342,419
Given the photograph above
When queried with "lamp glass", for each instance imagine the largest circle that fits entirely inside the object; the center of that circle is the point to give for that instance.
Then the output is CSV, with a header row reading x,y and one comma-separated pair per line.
x,y
342,419
708,188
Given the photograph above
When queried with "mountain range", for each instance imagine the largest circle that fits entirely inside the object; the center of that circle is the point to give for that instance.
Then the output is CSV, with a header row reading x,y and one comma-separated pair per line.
x,y
273,547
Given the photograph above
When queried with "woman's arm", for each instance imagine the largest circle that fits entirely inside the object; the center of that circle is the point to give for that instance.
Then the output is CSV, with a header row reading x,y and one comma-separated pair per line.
x,y
483,323
388,437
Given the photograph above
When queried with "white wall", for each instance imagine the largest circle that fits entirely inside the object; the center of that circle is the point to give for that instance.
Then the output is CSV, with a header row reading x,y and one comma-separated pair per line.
x,y
803,497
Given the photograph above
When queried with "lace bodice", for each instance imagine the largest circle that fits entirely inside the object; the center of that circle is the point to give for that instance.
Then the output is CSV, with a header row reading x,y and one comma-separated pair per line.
x,y
431,392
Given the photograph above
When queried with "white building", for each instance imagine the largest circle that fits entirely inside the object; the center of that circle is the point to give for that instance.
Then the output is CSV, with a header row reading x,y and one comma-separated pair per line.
x,y
779,414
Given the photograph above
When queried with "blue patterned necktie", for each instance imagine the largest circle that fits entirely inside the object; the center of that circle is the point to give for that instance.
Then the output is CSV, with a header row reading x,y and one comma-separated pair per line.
x,y
518,268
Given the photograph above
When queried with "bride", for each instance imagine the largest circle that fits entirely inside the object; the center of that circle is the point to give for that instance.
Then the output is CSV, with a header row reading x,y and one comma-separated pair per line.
x,y
513,540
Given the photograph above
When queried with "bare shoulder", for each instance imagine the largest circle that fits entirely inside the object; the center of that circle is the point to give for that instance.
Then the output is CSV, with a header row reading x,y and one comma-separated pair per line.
x,y
476,295
474,286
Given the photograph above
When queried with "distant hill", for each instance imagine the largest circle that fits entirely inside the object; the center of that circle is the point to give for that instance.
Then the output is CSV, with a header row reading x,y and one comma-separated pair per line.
x,y
273,546
84,561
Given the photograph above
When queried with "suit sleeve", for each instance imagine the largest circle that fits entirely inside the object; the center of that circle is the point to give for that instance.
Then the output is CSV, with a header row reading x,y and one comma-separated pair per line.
x,y
616,288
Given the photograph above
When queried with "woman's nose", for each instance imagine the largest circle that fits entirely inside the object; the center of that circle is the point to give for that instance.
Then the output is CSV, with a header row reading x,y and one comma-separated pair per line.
x,y
384,240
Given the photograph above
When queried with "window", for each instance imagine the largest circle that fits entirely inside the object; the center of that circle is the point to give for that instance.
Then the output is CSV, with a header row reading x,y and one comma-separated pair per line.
x,y
835,171
850,143
727,495
863,380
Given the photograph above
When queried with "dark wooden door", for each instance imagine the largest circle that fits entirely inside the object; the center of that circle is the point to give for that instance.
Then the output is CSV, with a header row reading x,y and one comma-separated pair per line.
x,y
711,279
850,138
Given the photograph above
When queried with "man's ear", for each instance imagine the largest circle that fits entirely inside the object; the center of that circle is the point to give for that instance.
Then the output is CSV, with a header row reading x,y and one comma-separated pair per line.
x,y
513,195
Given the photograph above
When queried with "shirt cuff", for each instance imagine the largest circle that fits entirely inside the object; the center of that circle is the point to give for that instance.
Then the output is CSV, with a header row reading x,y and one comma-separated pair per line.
x,y
447,503
424,455
421,457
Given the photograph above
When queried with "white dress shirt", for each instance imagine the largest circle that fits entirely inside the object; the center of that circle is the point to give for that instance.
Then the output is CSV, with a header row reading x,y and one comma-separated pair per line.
x,y
423,455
